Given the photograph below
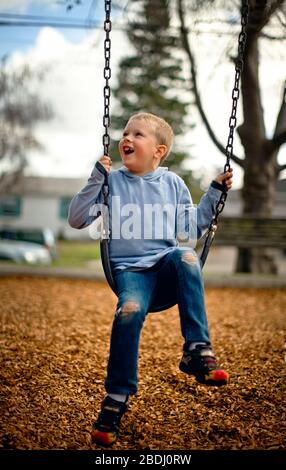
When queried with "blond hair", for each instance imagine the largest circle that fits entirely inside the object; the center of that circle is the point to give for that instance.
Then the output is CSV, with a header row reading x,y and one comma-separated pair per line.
x,y
163,131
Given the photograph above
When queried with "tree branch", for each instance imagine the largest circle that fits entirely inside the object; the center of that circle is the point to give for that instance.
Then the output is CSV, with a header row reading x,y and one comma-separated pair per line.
x,y
281,118
280,127
273,38
260,12
253,114
279,140
281,167
281,21
186,45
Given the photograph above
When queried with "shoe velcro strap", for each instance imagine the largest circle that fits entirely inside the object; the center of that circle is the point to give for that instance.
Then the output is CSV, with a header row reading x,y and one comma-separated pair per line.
x,y
114,409
207,352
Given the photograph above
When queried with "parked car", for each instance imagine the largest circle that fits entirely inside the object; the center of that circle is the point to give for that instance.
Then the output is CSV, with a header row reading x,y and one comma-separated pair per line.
x,y
44,237
24,252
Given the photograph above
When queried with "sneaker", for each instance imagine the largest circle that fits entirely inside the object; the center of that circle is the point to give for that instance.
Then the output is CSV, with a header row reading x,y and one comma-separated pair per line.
x,y
201,363
106,428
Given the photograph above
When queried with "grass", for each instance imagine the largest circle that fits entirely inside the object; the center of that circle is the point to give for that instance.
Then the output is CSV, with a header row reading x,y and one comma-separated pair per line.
x,y
76,253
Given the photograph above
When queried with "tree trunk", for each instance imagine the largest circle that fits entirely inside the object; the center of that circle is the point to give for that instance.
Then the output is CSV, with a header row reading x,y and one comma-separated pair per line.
x,y
260,165
260,162
258,195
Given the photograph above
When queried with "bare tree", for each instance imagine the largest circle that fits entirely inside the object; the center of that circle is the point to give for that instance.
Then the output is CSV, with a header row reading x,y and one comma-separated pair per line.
x,y
20,109
260,162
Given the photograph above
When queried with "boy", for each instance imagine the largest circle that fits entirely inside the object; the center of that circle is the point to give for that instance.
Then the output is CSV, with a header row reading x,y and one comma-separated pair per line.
x,y
146,260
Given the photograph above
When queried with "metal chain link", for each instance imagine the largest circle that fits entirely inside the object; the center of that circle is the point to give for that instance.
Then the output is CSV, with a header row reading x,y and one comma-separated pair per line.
x,y
106,90
232,125
105,232
107,76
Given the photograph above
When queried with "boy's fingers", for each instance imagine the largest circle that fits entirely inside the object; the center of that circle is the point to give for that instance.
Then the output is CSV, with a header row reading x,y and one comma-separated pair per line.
x,y
106,161
228,175
226,178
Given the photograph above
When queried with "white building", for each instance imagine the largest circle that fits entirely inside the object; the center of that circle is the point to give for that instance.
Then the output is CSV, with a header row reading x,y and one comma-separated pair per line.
x,y
38,202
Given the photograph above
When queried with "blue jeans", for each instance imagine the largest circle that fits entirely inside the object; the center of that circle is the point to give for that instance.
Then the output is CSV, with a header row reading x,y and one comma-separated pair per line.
x,y
177,274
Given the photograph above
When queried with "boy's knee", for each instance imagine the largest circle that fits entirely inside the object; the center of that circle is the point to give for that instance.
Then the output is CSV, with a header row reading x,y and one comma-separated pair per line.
x,y
190,257
130,307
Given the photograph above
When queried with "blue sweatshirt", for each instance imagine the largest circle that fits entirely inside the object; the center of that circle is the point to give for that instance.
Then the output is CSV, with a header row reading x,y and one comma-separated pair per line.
x,y
147,214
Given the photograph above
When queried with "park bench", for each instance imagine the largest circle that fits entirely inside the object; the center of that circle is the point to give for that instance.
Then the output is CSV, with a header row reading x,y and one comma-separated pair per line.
x,y
251,231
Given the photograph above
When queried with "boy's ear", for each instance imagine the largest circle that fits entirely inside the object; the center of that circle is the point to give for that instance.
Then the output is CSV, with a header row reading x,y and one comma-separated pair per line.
x,y
161,151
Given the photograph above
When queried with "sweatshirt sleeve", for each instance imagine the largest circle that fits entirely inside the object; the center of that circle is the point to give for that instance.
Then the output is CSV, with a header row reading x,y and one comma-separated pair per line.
x,y
193,219
85,205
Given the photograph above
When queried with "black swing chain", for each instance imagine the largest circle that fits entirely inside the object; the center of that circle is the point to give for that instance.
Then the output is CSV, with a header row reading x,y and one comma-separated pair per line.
x,y
106,95
232,125
107,76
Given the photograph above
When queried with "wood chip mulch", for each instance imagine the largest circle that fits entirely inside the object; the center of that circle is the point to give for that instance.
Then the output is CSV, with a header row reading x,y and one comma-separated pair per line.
x,y
54,348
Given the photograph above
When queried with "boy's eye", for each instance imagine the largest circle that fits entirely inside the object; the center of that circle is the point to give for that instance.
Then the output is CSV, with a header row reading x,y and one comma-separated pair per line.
x,y
139,133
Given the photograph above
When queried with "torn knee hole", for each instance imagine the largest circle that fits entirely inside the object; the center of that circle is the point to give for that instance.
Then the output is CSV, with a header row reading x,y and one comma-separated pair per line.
x,y
129,307
189,258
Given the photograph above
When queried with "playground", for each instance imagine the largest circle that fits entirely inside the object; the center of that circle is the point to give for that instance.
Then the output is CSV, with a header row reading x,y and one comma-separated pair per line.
x,y
180,68
54,349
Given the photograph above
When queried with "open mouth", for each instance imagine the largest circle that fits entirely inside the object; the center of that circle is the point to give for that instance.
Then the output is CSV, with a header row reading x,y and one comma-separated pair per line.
x,y
128,150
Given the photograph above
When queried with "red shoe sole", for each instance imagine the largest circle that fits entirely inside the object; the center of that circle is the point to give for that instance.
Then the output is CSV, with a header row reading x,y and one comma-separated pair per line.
x,y
103,438
215,378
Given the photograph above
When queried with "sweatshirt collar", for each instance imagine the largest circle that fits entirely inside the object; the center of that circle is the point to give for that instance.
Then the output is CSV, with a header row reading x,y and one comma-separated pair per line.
x,y
153,175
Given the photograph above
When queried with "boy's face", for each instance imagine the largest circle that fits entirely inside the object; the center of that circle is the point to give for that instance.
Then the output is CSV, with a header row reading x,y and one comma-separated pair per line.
x,y
139,149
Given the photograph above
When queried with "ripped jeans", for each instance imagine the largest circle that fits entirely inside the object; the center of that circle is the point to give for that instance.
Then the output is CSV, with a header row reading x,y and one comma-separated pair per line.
x,y
178,273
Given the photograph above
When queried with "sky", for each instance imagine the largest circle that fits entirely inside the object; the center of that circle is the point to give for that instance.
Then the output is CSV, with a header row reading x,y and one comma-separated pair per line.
x,y
74,84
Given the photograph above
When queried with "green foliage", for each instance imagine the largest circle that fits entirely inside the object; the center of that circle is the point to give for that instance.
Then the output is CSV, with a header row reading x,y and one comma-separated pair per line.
x,y
151,77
